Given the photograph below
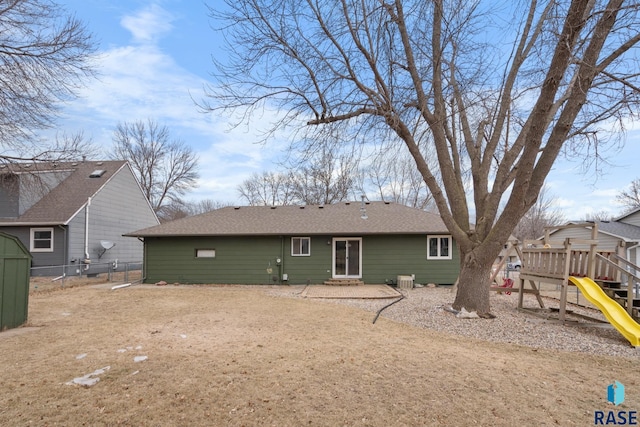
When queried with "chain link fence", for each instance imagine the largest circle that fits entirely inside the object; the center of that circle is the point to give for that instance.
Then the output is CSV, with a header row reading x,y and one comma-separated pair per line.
x,y
61,276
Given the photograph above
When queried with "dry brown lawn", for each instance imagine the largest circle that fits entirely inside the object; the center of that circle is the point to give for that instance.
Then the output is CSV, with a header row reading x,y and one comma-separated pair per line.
x,y
220,356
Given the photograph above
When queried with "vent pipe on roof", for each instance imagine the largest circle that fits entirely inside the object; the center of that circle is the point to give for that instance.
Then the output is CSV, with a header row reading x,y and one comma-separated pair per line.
x,y
363,208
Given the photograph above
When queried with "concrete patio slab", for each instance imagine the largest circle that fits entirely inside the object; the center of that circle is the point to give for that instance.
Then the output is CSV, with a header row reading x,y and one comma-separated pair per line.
x,y
364,291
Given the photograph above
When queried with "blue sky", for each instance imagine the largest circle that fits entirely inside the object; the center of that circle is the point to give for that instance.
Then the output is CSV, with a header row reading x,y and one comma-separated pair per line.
x,y
155,58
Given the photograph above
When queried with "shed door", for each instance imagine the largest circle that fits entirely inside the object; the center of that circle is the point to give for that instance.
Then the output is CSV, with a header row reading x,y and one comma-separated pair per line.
x,y
347,258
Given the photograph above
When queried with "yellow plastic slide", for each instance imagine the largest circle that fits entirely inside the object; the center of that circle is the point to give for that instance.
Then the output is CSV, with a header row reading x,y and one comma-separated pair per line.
x,y
614,312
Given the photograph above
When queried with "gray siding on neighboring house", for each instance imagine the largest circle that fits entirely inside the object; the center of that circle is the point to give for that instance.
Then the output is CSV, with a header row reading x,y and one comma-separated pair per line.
x,y
76,238
633,219
606,242
41,259
116,209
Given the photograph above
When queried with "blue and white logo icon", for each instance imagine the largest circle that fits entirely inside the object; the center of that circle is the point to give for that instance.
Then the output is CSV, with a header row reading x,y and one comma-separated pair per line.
x,y
615,393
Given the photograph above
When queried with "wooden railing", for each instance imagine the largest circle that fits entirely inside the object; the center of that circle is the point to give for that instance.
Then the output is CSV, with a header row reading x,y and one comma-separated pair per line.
x,y
554,262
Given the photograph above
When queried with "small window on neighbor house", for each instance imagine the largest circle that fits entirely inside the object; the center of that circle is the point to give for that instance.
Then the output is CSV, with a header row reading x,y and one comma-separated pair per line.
x,y
300,246
439,247
205,253
41,240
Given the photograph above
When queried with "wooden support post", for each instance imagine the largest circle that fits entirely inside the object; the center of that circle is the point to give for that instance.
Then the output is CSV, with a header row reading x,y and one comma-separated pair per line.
x,y
620,252
521,294
565,279
593,247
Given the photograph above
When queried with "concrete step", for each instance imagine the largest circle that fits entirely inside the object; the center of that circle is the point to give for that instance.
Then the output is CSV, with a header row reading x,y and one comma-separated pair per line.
x,y
344,282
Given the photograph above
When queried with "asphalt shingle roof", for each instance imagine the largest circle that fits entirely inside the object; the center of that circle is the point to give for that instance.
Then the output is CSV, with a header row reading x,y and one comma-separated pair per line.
x,y
620,229
342,218
61,203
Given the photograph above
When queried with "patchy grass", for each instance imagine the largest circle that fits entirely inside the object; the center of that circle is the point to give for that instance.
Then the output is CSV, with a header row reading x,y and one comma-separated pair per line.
x,y
237,356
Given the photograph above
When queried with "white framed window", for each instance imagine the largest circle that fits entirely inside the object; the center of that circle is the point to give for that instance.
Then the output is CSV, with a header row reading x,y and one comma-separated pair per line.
x,y
41,239
300,246
439,247
205,253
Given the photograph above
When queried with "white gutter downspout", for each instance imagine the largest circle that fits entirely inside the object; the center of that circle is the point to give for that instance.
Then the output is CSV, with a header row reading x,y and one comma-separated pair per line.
x,y
635,261
86,230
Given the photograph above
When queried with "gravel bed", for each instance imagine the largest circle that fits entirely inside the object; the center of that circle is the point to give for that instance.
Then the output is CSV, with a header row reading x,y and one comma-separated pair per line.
x,y
426,308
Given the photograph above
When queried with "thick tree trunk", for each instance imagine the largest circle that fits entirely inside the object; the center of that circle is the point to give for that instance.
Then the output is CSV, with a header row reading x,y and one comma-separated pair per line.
x,y
473,286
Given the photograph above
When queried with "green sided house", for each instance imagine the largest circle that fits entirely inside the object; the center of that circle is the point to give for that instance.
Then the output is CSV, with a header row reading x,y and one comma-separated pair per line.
x,y
374,242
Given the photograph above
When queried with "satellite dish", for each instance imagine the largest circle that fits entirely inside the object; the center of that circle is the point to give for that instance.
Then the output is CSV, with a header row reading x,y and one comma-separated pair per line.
x,y
106,244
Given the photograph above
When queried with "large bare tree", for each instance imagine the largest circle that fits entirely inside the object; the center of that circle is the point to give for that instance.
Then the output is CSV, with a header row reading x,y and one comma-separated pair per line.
x,y
44,57
166,168
498,90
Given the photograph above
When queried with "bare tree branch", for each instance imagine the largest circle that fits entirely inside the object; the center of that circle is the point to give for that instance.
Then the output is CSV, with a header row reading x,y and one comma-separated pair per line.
x,y
44,58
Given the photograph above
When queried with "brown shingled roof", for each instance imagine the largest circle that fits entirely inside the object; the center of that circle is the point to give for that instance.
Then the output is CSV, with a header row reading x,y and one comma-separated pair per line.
x,y
342,218
60,204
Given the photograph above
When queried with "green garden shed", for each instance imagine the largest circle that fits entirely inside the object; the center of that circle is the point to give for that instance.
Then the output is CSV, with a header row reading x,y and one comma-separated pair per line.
x,y
15,262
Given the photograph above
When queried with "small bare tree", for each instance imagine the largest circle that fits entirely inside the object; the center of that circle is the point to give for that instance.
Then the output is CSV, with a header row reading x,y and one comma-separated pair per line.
x,y
542,214
184,208
497,114
394,178
166,168
44,58
630,198
326,177
267,189
598,216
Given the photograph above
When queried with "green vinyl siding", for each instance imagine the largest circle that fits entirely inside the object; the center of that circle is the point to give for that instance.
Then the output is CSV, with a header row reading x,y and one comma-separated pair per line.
x,y
245,260
237,259
385,257
315,268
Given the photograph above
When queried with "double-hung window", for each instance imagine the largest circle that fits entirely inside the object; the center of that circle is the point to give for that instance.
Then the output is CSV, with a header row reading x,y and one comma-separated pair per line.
x,y
300,246
41,240
439,247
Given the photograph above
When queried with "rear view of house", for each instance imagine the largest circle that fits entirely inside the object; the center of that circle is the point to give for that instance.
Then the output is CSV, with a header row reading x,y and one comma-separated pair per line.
x,y
74,213
372,242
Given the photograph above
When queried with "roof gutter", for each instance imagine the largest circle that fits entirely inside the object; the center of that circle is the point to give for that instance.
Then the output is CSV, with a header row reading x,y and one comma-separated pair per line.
x,y
31,224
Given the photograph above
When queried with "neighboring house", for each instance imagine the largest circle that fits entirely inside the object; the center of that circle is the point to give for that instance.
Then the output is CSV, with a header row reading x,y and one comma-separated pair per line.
x,y
621,235
74,213
374,242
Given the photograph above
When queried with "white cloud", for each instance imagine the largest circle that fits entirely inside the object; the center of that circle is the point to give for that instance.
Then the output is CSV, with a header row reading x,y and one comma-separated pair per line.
x,y
141,81
149,24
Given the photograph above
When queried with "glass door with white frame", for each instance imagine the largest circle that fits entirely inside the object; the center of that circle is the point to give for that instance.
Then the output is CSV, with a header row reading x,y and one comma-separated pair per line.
x,y
347,258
